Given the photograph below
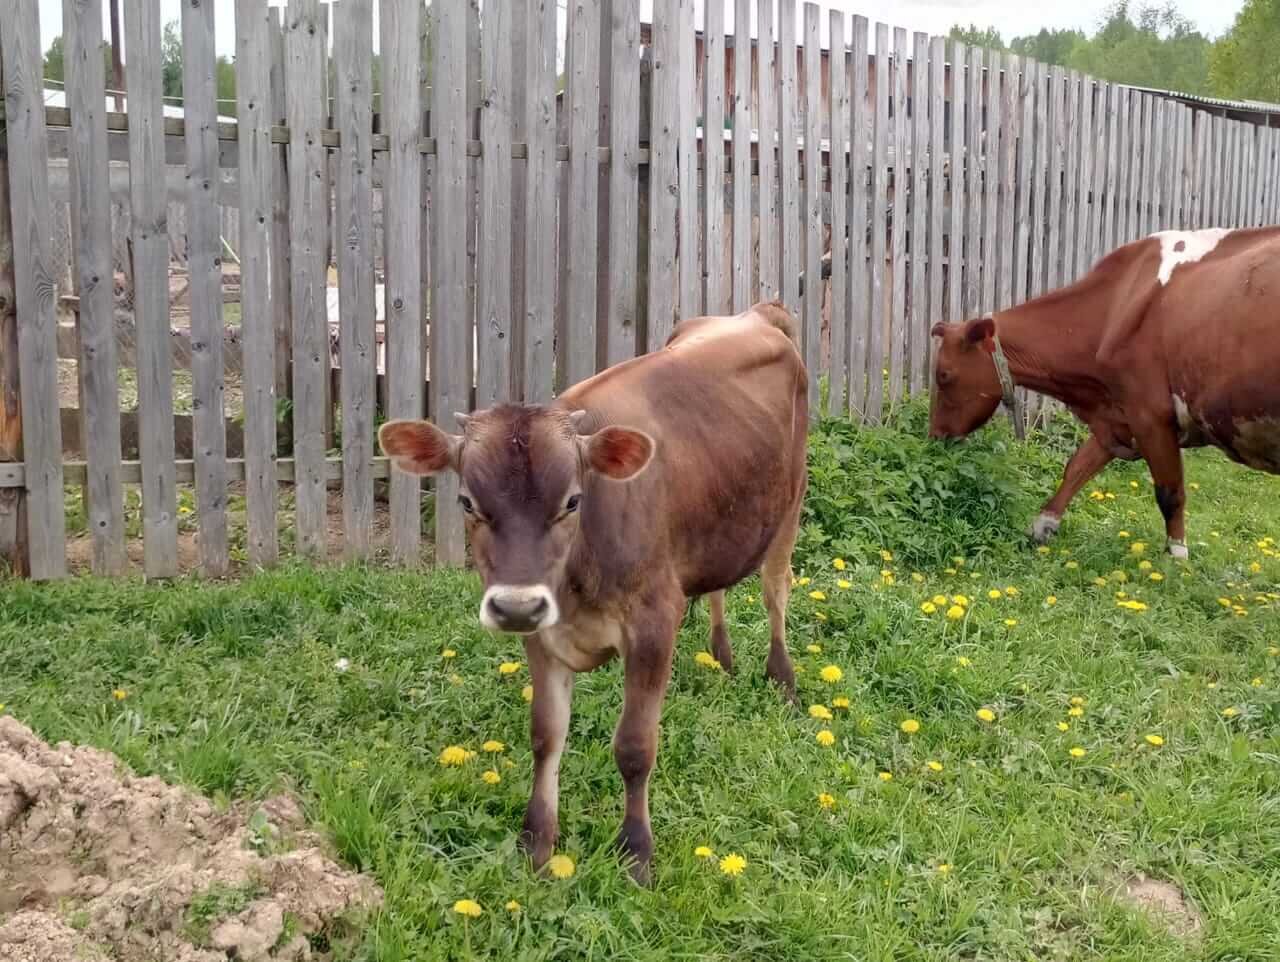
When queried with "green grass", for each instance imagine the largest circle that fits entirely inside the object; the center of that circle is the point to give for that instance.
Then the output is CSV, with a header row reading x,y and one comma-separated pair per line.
x,y
233,690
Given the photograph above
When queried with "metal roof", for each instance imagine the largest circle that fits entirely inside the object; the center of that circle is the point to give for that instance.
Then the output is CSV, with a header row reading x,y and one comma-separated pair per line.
x,y
1244,106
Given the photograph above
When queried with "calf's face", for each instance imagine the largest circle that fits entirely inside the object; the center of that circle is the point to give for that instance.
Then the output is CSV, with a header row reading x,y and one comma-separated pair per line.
x,y
523,470
966,387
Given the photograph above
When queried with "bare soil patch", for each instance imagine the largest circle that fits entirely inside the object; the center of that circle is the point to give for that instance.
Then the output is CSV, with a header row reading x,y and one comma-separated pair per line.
x,y
96,862
1164,903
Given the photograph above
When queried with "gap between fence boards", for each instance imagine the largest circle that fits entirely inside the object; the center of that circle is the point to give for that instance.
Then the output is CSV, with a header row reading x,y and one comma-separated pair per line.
x,y
13,474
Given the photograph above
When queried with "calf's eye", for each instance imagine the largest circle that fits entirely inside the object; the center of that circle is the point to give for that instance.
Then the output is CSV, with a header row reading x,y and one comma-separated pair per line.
x,y
571,505
467,506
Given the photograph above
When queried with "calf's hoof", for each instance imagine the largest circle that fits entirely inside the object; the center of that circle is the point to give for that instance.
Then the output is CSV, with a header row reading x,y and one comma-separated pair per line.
x,y
539,846
1044,528
635,845
1179,550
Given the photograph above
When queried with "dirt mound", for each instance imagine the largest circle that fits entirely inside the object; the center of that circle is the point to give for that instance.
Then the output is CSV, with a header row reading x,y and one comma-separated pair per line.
x,y
1165,903
98,863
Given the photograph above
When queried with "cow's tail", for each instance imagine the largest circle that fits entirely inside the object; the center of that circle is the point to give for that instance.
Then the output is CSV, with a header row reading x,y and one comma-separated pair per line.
x,y
775,314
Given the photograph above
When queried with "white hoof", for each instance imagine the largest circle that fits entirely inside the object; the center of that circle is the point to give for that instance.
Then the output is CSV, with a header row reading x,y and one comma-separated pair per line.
x,y
1179,550
1044,528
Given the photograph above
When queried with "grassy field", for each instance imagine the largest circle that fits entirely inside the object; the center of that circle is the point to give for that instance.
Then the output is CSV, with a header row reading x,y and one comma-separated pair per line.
x,y
1132,710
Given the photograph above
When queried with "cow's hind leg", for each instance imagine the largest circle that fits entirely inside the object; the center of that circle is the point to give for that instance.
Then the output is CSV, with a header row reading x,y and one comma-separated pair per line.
x,y
1084,465
720,646
1159,446
775,576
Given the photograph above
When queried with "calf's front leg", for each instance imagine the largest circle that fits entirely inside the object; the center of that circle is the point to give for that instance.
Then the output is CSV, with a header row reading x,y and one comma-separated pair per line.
x,y
647,670
1090,458
549,724
1159,446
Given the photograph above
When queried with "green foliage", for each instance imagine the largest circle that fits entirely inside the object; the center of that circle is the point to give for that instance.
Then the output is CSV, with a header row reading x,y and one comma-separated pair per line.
x,y
974,36
1245,63
211,906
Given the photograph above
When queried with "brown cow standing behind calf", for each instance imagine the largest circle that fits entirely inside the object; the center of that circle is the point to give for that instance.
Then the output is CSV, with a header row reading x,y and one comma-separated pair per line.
x,y
1170,342
595,519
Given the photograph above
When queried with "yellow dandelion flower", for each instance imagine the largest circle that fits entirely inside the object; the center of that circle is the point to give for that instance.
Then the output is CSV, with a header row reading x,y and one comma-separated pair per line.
x,y
818,595
886,776
1144,565
1255,567
1230,712
826,801
456,679
939,600
1075,711
1256,682
493,747
1156,576
986,715
527,693
962,661
949,571
1077,700
838,564
1273,651
831,674
840,702
1072,565
1155,740
844,585
959,600
929,608
934,766
513,906
813,649
733,864
560,866
1078,752
509,667
825,738
821,712
1011,622
1122,534
955,612
1063,727
994,594
958,561
1138,547
910,726
471,909
706,660
886,577
703,851
119,694
1051,600
1097,496
1011,591
917,577
803,581
944,868
1121,595
491,777
453,756
448,653
1044,550
1100,582
886,555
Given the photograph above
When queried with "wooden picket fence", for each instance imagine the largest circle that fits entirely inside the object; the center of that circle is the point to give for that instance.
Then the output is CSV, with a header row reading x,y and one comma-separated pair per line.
x,y
549,206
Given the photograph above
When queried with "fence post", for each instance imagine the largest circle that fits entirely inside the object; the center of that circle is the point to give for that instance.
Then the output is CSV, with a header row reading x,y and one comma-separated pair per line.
x,y
14,550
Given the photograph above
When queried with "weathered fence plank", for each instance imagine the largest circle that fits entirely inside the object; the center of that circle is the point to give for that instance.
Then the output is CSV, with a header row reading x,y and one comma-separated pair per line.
x,y
718,289
91,234
813,283
1057,157
790,257
1092,149
991,169
971,247
624,172
744,289
1039,178
281,275
918,300
584,181
880,134
253,126
956,226
151,288
493,321
14,554
687,210
937,189
540,214
353,48
34,290
451,328
901,178
308,251
767,121
1007,67
1071,177
204,262
1026,108
838,103
663,171
859,282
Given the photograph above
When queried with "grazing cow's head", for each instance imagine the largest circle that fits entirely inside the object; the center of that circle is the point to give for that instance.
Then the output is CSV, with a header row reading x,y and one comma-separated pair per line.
x,y
522,471
966,389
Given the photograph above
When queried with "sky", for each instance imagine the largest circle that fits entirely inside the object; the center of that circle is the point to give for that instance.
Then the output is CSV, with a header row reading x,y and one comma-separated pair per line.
x,y
1012,17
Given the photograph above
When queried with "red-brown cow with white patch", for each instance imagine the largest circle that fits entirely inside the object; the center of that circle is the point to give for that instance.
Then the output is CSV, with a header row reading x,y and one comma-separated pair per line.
x,y
595,519
1170,342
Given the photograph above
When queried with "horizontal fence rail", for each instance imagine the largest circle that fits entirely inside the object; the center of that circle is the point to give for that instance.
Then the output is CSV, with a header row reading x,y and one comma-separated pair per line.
x,y
208,316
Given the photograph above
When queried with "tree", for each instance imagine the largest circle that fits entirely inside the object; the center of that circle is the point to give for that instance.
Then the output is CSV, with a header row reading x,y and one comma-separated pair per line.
x,y
1245,62
1049,46
55,60
171,60
974,36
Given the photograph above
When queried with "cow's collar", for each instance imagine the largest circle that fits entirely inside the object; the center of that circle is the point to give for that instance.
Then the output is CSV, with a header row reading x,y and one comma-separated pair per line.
x,y
1007,393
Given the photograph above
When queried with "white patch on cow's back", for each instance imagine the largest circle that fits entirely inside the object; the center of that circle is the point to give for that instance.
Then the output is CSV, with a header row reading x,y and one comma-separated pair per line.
x,y
1195,245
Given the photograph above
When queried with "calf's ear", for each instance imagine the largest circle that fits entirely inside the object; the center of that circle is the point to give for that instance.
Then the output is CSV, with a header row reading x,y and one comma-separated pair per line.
x,y
980,331
419,447
619,453
939,330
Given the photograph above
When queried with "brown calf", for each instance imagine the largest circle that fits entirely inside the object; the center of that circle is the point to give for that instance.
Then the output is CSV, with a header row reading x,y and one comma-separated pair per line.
x,y
1170,342
594,520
